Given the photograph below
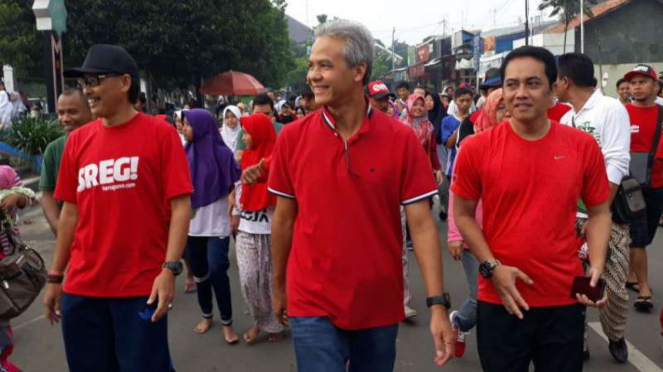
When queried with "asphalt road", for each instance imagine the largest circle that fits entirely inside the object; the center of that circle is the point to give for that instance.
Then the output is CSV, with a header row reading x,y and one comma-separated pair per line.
x,y
39,346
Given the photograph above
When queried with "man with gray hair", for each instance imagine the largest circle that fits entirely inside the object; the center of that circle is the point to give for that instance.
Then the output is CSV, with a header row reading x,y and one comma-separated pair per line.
x,y
336,236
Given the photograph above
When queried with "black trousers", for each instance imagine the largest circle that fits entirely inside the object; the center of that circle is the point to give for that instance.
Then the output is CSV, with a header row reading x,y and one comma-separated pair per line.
x,y
549,337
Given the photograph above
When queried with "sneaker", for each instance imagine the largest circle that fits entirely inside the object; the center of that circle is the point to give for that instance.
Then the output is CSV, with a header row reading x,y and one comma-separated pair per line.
x,y
6,366
619,350
409,245
410,312
459,336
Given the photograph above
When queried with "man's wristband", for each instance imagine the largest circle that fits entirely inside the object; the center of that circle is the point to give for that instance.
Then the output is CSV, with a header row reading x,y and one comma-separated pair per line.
x,y
54,278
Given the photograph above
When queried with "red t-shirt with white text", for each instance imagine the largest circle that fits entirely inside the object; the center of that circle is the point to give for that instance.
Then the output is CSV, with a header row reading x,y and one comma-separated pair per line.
x,y
530,191
121,179
643,128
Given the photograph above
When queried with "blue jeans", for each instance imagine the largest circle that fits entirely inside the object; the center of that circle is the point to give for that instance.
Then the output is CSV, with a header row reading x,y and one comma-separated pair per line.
x,y
109,335
208,257
322,347
467,315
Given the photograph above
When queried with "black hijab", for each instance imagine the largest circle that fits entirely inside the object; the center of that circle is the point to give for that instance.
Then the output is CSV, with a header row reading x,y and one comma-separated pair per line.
x,y
436,115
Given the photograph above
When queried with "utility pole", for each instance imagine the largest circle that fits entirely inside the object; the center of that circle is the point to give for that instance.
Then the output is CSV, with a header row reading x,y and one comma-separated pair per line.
x,y
393,50
582,26
494,18
526,22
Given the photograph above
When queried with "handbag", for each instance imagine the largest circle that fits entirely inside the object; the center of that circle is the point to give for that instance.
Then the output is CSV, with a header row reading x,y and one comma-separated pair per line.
x,y
641,162
22,274
629,202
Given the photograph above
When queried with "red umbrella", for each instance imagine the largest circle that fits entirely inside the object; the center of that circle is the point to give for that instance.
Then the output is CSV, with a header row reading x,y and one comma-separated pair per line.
x,y
232,83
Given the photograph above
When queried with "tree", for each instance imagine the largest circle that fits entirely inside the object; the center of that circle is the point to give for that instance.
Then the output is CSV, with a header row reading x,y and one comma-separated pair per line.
x,y
192,40
21,46
567,10
322,18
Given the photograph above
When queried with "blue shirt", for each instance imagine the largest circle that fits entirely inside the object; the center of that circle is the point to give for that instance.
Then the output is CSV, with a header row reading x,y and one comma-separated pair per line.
x,y
449,125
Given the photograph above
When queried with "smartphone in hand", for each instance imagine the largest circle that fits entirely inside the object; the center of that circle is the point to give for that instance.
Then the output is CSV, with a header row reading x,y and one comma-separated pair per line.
x,y
146,312
581,286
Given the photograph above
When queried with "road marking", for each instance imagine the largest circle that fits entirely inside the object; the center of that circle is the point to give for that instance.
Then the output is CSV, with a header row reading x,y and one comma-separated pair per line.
x,y
28,322
635,356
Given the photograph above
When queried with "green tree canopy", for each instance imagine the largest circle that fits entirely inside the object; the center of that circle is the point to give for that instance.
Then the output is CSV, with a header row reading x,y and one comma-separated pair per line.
x,y
566,10
177,42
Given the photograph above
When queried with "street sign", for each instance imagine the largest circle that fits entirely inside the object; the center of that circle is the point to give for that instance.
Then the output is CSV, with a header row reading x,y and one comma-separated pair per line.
x,y
51,16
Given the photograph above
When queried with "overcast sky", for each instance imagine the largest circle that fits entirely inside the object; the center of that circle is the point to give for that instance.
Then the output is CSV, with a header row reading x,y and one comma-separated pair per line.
x,y
414,20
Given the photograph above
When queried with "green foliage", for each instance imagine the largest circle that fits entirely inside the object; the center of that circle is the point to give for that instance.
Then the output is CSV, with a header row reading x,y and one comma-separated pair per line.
x,y
567,10
32,135
21,46
177,42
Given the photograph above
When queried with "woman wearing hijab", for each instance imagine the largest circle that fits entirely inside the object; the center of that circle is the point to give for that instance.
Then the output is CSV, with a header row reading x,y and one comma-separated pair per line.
x,y
464,319
231,128
177,117
436,113
214,172
254,208
416,117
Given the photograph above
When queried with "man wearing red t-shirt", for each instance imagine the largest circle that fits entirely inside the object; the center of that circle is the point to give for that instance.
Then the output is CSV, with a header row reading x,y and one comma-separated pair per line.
x,y
337,228
529,173
125,184
643,112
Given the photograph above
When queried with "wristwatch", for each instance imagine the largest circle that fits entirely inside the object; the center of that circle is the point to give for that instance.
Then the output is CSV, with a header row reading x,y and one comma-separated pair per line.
x,y
487,267
444,300
175,267
54,278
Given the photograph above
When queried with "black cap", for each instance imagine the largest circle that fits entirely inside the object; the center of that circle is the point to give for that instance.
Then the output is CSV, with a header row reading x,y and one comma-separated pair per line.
x,y
493,79
106,59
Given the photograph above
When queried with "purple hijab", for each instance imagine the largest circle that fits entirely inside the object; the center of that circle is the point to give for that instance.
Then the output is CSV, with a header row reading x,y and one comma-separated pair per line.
x,y
213,167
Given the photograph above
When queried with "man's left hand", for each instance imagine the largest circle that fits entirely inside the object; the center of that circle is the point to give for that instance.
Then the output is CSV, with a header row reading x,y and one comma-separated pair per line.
x,y
443,335
163,290
595,274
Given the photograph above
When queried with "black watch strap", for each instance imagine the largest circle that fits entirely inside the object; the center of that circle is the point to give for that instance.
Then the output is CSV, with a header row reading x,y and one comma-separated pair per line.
x,y
444,300
487,267
176,267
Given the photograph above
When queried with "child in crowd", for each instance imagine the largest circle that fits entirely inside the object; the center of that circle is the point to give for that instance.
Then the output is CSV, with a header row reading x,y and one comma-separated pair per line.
x,y
13,196
254,208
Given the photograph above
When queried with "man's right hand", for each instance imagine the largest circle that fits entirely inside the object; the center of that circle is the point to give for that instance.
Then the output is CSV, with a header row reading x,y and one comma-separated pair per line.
x,y
252,173
504,280
279,301
51,301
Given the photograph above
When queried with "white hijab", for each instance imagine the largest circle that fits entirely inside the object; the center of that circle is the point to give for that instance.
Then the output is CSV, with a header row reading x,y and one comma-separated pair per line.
x,y
178,114
6,109
229,135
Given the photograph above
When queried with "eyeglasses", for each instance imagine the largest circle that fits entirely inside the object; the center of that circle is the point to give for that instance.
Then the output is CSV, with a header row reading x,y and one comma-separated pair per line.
x,y
92,81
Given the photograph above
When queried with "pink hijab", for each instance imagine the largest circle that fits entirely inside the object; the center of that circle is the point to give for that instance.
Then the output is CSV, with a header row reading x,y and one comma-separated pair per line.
x,y
7,177
486,119
421,125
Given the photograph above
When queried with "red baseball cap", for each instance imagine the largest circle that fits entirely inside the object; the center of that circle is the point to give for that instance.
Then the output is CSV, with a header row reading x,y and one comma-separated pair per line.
x,y
377,90
641,69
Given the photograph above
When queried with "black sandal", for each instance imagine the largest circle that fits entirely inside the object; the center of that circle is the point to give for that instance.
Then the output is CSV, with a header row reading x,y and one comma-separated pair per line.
x,y
643,304
634,286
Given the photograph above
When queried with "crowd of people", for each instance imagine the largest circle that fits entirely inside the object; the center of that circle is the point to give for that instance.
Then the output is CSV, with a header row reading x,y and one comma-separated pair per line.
x,y
527,175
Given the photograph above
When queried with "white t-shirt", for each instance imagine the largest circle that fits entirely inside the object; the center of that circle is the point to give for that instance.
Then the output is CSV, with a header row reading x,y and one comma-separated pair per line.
x,y
211,220
659,101
607,120
453,110
253,222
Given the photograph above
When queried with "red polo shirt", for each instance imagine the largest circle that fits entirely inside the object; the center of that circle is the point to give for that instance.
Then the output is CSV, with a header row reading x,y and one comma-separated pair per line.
x,y
345,261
